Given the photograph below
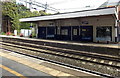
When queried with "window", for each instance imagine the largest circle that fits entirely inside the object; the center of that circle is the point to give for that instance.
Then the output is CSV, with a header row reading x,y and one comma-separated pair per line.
x,y
104,33
75,31
58,30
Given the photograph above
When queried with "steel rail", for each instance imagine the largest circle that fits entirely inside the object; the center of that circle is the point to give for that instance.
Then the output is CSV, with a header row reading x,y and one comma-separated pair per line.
x,y
62,50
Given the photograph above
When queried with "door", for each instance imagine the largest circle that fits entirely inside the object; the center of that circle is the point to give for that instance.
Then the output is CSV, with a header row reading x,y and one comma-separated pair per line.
x,y
58,34
75,33
42,32
86,33
50,32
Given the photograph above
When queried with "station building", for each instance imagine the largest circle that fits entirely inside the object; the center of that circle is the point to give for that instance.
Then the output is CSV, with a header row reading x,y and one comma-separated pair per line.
x,y
94,25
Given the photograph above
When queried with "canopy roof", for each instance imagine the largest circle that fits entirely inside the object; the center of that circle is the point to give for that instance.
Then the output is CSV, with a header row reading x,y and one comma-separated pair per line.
x,y
86,13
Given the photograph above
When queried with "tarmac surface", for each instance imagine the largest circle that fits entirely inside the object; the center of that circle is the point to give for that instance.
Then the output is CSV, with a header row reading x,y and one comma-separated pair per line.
x,y
6,73
19,68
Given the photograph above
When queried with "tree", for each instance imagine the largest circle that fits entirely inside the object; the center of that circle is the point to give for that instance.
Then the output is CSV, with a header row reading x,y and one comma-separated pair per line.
x,y
25,13
10,11
14,12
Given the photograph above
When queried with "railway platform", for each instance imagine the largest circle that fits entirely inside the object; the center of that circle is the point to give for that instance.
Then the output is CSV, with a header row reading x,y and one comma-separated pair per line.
x,y
111,45
29,67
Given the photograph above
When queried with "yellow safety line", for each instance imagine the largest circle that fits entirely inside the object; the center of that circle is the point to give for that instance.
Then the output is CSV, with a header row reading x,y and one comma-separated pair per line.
x,y
35,66
12,71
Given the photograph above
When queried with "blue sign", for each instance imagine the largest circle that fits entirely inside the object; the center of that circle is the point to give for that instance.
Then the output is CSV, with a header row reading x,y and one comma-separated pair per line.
x,y
31,26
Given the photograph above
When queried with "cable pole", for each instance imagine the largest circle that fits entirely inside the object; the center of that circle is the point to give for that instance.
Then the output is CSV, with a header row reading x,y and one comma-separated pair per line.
x,y
46,7
30,4
38,4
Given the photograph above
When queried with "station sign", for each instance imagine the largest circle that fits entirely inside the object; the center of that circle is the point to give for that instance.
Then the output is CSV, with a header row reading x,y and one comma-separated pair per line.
x,y
84,22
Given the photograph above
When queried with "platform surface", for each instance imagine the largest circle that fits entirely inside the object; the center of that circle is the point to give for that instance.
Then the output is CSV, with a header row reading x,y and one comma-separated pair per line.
x,y
29,67
70,42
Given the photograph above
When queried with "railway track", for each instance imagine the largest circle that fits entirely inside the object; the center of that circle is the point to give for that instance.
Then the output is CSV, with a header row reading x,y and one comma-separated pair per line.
x,y
44,46
95,63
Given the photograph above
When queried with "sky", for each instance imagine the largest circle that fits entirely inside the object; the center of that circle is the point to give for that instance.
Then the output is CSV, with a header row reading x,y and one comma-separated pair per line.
x,y
69,5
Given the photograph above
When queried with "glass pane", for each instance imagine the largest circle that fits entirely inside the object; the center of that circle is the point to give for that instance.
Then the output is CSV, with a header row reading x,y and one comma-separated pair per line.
x,y
58,30
75,31
104,33
64,32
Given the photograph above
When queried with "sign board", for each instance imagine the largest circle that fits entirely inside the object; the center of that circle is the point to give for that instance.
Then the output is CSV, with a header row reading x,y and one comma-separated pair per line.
x,y
15,32
84,22
31,26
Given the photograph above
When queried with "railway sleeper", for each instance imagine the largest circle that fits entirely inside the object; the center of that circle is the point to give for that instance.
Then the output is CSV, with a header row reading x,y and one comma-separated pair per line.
x,y
72,54
58,49
42,42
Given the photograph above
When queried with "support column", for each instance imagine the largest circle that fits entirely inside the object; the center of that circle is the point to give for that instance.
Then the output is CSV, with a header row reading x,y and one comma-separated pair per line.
x,y
46,32
116,23
116,31
36,30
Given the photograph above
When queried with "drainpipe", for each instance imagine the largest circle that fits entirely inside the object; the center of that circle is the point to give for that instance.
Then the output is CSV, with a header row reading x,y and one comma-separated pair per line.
x,y
71,34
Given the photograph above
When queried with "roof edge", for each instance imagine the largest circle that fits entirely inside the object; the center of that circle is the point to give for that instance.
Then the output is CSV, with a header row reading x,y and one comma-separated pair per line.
x,y
73,12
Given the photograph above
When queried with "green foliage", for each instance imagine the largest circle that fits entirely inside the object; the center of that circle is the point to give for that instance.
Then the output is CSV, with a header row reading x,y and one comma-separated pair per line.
x,y
25,25
3,33
11,10
16,11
